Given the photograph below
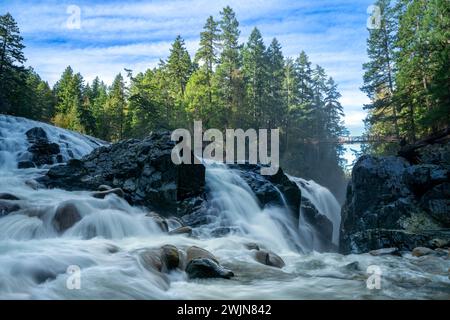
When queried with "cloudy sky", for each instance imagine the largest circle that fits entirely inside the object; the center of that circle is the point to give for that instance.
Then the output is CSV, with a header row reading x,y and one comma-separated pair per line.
x,y
114,35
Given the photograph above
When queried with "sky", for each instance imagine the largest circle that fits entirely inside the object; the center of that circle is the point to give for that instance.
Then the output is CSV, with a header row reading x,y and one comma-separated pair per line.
x,y
114,35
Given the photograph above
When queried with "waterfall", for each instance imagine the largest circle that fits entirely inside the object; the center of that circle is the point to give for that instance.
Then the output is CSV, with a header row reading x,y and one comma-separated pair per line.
x,y
325,203
237,205
14,145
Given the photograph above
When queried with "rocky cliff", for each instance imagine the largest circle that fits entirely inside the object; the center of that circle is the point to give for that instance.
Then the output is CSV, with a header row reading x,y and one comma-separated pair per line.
x,y
395,202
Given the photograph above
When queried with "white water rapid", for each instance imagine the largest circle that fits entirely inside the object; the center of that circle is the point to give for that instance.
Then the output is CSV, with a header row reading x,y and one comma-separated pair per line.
x,y
106,242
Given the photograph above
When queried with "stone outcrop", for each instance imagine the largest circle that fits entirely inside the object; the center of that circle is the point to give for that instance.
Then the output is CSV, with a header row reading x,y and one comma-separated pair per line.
x,y
392,202
142,169
43,151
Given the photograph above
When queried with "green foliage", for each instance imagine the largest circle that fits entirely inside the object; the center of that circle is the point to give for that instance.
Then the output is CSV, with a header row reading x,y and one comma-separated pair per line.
x,y
408,75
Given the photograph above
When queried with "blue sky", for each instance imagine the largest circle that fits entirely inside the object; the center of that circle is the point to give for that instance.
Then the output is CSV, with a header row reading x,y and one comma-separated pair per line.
x,y
135,34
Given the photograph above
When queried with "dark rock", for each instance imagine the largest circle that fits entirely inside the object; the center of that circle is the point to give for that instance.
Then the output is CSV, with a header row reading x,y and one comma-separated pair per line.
x,y
25,164
181,230
436,202
102,194
66,216
43,152
353,266
321,224
174,223
33,184
385,252
206,268
439,243
59,158
8,196
197,253
224,231
6,207
392,203
111,248
269,258
103,188
268,188
161,222
252,246
35,134
170,257
143,169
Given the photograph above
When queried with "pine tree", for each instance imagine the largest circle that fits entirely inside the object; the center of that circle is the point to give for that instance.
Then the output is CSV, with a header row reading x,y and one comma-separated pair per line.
x,y
379,76
276,106
179,65
115,107
229,79
70,112
208,52
256,75
12,72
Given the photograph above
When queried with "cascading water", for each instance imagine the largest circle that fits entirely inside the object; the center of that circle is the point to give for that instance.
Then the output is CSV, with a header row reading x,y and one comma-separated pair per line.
x,y
326,204
105,243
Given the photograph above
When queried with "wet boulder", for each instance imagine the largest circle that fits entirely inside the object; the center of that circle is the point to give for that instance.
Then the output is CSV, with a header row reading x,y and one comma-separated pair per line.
x,y
160,221
66,216
422,251
43,151
6,207
269,259
8,196
385,252
195,252
25,164
170,257
151,259
181,230
102,194
36,134
201,268
321,224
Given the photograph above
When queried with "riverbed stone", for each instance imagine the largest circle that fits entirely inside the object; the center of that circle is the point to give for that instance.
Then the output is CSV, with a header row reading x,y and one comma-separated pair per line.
x,y
207,268
66,216
269,258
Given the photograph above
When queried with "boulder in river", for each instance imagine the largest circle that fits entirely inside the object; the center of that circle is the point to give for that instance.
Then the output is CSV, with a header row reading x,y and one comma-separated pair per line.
x,y
6,207
102,194
385,252
207,268
8,196
422,251
42,150
269,258
181,230
66,216
195,252
170,257
160,221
